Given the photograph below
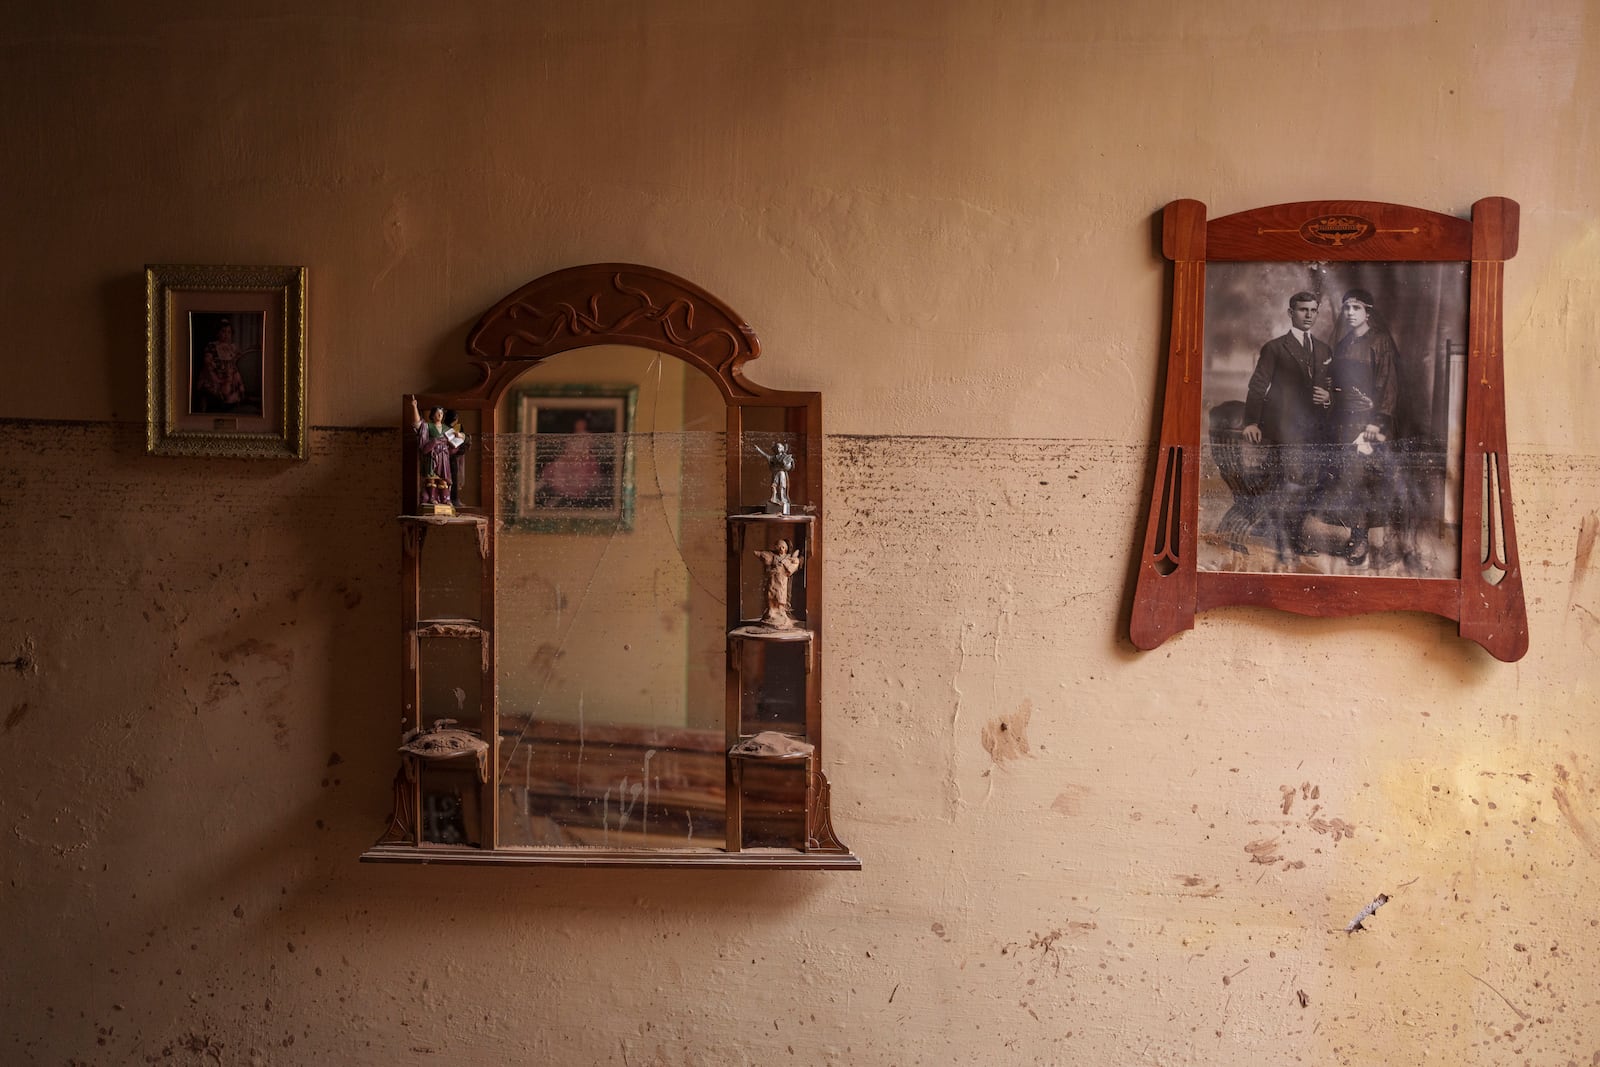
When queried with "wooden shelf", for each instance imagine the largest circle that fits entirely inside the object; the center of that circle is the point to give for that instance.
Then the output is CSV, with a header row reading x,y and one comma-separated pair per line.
x,y
754,631
457,519
416,528
787,757
449,628
798,517
747,859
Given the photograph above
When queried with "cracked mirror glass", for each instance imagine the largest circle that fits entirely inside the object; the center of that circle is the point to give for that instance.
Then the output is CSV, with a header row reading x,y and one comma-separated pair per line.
x,y
611,614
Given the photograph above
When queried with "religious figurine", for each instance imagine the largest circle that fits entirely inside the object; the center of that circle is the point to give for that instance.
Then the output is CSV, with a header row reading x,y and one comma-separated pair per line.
x,y
781,462
441,450
460,443
781,563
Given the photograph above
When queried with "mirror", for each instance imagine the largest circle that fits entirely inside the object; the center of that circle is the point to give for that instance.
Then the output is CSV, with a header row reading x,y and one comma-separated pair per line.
x,y
611,570
611,609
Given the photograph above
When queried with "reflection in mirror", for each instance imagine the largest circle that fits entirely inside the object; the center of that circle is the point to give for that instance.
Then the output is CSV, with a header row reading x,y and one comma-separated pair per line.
x,y
451,585
611,617
450,693
774,804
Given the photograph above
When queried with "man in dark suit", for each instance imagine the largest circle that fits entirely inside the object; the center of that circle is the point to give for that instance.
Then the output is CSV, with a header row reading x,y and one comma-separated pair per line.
x,y
1286,410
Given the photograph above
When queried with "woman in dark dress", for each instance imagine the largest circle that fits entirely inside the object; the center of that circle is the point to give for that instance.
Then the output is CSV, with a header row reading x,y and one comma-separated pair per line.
x,y
1365,393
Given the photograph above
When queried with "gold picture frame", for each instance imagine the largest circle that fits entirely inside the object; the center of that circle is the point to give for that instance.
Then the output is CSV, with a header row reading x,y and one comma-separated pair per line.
x,y
225,361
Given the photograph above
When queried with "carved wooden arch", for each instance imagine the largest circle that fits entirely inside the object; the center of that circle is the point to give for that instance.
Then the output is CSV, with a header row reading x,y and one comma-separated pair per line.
x,y
614,303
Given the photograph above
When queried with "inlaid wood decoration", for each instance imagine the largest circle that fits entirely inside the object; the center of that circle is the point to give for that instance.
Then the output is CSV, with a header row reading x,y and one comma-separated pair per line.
x,y
1333,434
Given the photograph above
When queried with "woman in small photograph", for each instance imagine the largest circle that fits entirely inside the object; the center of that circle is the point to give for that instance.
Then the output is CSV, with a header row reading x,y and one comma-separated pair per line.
x,y
219,386
1363,494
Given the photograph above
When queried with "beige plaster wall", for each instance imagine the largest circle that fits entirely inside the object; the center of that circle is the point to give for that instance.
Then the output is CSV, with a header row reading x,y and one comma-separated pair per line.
x,y
939,214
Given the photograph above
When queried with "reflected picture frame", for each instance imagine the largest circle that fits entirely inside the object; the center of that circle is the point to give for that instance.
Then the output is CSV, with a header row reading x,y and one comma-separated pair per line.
x,y
574,459
225,361
1380,480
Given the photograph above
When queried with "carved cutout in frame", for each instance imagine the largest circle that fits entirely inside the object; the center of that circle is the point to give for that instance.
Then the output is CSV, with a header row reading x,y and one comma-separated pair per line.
x,y
1384,484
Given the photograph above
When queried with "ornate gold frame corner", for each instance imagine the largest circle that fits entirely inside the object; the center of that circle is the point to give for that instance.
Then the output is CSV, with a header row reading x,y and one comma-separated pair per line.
x,y
275,426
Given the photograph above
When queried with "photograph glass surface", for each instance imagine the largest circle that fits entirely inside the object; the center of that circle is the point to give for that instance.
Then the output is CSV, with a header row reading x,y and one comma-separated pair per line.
x,y
225,363
1333,418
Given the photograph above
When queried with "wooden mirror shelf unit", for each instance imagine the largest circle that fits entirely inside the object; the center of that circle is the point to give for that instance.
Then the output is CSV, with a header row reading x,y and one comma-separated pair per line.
x,y
1333,434
612,620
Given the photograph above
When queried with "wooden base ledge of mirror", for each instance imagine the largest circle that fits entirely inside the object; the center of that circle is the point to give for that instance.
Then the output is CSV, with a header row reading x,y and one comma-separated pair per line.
x,y
748,859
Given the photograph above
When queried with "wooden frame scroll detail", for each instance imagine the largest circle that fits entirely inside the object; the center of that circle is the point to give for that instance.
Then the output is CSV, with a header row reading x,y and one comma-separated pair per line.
x,y
1342,241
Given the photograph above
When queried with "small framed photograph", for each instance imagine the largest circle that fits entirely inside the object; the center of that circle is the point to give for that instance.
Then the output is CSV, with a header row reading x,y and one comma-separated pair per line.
x,y
574,458
225,361
1333,435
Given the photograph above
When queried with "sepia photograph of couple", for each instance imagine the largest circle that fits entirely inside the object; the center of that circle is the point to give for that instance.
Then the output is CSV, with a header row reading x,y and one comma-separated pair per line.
x,y
1334,416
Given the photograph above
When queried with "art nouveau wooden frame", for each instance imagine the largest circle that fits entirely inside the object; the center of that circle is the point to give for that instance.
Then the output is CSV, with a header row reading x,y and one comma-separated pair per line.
x,y
1485,594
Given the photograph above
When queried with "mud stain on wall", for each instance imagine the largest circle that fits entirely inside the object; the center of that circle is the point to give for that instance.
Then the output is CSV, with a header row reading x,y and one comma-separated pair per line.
x,y
1264,851
1070,800
1006,738
1567,793
1588,528
283,657
1306,791
26,661
1583,592
1337,827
